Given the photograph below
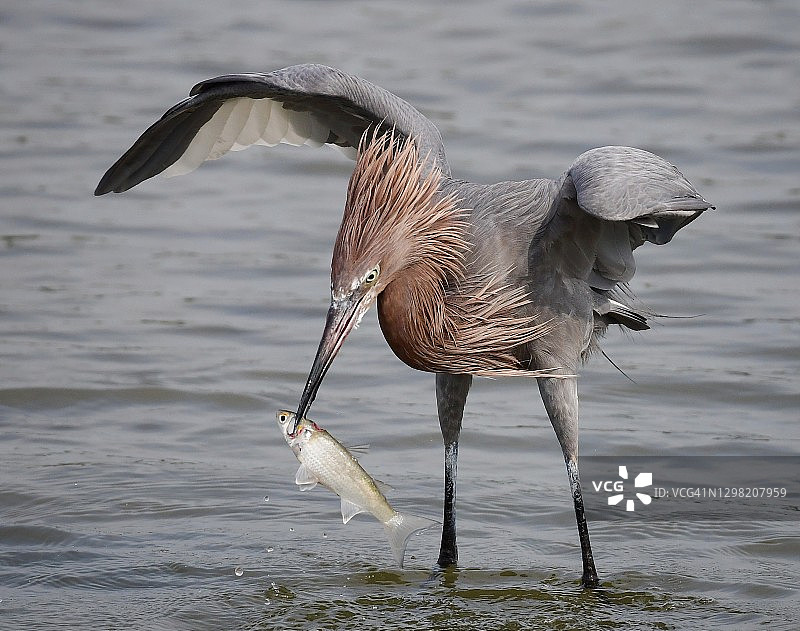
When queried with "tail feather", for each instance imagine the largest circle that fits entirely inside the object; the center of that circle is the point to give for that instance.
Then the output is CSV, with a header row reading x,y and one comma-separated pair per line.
x,y
626,316
400,527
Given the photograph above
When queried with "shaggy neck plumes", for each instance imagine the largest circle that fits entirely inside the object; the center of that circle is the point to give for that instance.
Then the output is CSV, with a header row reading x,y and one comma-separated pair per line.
x,y
479,326
434,315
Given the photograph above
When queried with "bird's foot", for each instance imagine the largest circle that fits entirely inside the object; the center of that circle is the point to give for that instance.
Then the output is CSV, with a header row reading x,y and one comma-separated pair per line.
x,y
447,558
589,579
444,576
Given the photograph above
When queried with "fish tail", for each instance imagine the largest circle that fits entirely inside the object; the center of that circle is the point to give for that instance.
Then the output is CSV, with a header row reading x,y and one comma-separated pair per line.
x,y
400,527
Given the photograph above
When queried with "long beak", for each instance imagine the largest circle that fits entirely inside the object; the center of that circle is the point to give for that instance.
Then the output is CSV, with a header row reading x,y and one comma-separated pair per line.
x,y
342,317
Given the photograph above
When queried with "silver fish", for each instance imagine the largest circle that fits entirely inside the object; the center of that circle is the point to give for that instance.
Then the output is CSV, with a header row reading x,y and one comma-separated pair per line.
x,y
324,460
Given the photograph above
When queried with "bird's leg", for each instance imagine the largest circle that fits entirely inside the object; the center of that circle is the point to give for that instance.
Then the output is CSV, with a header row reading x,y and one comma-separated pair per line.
x,y
560,397
589,578
451,395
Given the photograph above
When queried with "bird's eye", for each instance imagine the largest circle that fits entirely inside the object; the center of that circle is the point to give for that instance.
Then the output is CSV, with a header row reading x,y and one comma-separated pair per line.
x,y
372,275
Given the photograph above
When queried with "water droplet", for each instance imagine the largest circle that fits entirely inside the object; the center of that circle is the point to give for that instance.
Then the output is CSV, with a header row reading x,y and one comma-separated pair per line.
x,y
270,549
266,601
291,529
275,587
266,498
238,571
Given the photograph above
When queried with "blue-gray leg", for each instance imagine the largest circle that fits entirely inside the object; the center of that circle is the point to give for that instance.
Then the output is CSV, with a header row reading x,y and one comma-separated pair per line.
x,y
451,395
560,397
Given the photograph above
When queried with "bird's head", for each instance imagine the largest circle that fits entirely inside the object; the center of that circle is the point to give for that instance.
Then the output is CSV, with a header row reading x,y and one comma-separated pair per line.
x,y
394,218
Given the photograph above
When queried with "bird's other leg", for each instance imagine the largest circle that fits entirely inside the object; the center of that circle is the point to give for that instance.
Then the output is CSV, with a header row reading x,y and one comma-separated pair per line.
x,y
451,395
560,397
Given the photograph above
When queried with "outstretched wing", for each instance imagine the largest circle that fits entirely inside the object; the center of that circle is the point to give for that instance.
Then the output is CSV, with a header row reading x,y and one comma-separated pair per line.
x,y
307,104
612,200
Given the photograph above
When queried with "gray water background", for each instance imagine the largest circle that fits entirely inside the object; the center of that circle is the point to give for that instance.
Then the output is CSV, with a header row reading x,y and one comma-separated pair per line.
x,y
148,338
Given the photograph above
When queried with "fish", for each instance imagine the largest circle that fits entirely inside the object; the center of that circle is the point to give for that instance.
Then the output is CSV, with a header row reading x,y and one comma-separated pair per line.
x,y
325,461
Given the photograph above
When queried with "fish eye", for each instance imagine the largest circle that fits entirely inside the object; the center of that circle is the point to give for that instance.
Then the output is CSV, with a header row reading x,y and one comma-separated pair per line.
x,y
372,275
283,417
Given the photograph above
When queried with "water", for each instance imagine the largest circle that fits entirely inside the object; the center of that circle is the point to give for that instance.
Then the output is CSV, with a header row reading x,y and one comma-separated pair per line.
x,y
148,338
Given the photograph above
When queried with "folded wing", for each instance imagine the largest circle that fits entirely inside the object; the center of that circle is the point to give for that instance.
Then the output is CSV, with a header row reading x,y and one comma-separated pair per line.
x,y
611,201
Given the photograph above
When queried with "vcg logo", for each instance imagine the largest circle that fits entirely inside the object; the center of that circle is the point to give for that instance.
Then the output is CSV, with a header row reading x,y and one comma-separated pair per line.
x,y
617,488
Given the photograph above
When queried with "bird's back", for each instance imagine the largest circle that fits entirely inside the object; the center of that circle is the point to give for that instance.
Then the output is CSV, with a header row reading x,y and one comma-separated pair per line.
x,y
569,243
504,219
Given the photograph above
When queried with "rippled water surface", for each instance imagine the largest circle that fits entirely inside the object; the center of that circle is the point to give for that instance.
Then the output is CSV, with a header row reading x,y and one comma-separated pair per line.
x,y
148,338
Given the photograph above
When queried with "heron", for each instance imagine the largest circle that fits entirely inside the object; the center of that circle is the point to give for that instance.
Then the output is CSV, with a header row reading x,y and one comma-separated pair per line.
x,y
516,278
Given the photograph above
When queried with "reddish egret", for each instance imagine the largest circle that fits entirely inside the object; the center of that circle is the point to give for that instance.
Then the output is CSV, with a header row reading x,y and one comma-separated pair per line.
x,y
514,278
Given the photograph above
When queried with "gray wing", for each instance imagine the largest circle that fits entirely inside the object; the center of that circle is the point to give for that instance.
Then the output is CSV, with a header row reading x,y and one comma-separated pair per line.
x,y
307,104
611,201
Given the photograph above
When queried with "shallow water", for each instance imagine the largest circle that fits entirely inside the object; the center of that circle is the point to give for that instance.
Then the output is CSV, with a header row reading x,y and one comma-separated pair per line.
x,y
149,337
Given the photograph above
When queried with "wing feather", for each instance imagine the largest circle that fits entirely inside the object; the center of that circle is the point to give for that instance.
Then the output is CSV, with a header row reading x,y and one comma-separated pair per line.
x,y
203,143
308,104
611,201
625,183
250,133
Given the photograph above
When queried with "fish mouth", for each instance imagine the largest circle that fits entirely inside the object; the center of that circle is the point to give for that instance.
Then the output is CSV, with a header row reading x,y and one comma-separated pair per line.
x,y
343,316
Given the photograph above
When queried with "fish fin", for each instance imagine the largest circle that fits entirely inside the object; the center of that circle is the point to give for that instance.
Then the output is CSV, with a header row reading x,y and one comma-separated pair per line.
x,y
350,510
305,479
383,487
400,527
359,449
